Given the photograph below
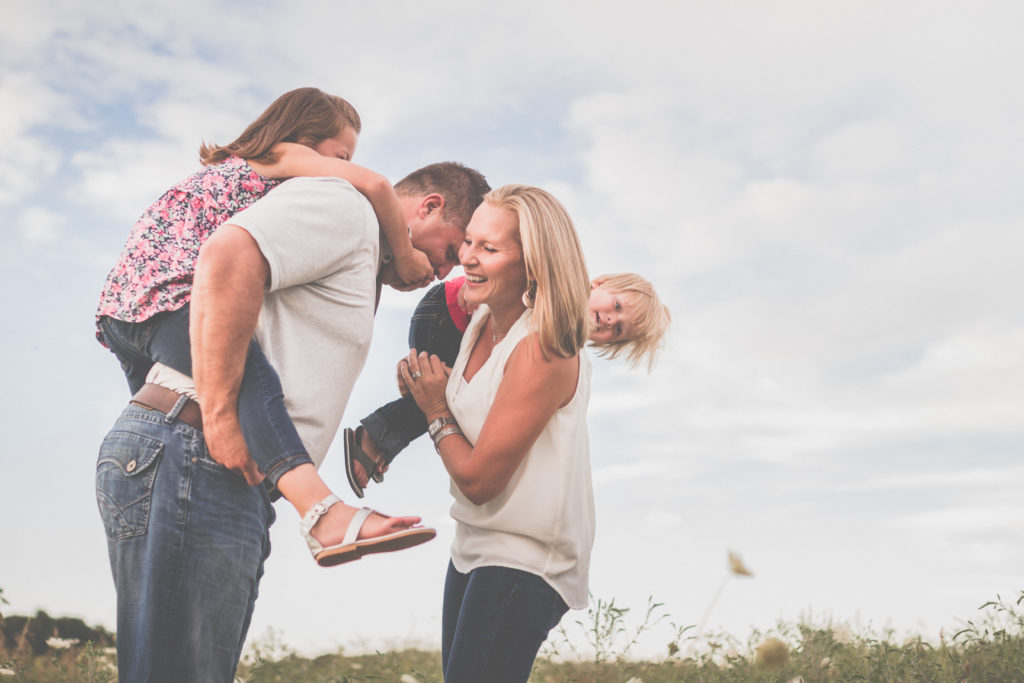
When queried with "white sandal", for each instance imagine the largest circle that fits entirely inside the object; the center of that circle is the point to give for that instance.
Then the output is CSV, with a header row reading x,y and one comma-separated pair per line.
x,y
351,549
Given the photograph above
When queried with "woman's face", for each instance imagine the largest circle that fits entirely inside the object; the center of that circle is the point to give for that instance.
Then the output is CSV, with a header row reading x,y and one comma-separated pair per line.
x,y
493,259
611,315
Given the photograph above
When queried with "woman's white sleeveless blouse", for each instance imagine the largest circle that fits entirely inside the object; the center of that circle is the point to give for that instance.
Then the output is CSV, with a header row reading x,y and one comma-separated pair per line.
x,y
543,522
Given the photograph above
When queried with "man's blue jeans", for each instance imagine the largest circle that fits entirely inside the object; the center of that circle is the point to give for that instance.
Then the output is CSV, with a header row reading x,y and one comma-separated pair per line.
x,y
493,624
187,540
397,424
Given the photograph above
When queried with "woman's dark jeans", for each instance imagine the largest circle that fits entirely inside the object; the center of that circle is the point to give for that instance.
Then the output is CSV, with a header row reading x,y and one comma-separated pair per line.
x,y
269,433
397,424
493,623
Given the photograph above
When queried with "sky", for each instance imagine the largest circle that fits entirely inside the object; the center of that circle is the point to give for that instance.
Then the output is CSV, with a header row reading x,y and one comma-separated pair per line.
x,y
826,195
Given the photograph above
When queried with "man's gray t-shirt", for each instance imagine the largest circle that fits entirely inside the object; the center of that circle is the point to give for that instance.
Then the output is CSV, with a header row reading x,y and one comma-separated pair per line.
x,y
321,239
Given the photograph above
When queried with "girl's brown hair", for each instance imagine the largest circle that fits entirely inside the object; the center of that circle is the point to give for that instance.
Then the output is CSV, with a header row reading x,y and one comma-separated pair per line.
x,y
307,116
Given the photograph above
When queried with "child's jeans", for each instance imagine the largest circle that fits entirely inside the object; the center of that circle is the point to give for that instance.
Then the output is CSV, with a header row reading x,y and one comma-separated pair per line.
x,y
395,425
269,433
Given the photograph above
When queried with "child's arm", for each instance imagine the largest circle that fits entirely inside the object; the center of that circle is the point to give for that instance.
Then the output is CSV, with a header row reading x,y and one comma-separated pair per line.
x,y
411,265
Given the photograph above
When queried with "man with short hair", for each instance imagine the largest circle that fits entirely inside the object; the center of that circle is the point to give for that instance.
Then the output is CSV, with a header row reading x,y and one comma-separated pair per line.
x,y
299,272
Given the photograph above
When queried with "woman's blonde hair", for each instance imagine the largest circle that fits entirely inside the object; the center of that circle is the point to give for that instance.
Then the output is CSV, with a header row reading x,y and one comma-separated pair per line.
x,y
557,284
307,116
651,319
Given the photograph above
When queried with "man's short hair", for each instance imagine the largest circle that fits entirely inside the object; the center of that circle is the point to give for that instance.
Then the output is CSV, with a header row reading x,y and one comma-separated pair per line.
x,y
463,189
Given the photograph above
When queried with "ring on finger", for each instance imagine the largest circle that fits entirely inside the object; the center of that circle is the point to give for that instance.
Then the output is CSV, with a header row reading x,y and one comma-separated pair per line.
x,y
416,375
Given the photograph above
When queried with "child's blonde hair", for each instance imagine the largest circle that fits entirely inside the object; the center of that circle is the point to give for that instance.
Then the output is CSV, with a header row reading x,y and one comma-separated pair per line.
x,y
651,319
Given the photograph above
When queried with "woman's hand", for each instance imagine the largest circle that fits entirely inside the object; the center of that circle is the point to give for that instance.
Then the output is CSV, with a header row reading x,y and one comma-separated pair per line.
x,y
425,378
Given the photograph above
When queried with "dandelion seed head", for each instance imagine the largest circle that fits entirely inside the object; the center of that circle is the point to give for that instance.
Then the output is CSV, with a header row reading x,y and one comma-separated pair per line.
x,y
736,565
772,653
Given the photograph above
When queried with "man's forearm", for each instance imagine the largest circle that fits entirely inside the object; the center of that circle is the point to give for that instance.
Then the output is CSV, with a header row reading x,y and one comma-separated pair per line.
x,y
226,298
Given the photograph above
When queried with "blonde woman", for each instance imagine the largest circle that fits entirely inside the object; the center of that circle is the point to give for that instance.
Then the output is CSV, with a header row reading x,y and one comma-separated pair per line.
x,y
510,426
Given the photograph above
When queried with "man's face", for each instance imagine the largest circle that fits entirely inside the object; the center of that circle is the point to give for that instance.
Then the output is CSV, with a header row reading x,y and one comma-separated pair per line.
x,y
440,241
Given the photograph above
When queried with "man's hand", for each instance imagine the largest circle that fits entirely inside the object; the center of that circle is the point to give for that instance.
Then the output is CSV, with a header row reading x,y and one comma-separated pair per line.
x,y
227,446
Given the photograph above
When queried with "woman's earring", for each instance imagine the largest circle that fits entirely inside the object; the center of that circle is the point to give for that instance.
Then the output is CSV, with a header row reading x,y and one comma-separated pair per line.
x,y
530,295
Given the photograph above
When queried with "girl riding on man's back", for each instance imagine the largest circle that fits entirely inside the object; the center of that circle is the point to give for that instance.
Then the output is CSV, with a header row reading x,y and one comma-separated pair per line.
x,y
143,314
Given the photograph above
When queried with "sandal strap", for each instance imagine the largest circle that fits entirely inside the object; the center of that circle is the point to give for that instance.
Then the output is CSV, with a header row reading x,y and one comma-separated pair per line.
x,y
313,516
368,463
352,532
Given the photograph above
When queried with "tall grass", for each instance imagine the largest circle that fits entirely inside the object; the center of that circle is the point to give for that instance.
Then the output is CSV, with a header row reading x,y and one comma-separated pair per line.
x,y
597,647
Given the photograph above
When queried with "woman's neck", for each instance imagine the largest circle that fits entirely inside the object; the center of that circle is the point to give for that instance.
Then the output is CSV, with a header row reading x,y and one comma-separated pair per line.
x,y
503,318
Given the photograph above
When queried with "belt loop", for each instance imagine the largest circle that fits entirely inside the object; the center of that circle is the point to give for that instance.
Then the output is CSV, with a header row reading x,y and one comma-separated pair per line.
x,y
178,405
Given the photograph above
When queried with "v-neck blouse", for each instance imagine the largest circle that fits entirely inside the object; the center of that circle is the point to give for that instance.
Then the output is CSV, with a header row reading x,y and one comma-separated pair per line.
x,y
543,522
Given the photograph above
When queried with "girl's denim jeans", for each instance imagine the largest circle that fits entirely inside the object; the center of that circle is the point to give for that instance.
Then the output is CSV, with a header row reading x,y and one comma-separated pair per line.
x,y
397,424
269,433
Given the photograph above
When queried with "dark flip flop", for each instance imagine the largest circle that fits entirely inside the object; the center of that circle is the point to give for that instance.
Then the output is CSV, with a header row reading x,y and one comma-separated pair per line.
x,y
353,453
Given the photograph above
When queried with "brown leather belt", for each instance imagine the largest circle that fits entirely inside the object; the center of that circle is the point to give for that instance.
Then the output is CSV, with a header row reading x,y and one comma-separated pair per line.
x,y
156,397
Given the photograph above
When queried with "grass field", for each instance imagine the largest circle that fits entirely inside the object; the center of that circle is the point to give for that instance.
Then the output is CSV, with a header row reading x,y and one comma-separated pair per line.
x,y
988,647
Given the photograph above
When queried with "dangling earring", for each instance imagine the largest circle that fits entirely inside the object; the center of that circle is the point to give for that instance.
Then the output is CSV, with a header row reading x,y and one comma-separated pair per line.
x,y
530,295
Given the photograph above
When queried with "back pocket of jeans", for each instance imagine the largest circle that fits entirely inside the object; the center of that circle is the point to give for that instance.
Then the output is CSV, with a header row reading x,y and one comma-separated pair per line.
x,y
125,472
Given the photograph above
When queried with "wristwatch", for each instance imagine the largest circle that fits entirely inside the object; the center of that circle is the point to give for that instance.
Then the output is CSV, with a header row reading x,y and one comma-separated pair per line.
x,y
437,425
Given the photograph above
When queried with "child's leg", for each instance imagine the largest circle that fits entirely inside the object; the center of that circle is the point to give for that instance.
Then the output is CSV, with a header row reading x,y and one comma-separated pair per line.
x,y
269,433
394,426
138,345
266,426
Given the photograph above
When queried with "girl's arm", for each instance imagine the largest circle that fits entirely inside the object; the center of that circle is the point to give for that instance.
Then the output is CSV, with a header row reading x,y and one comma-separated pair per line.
x,y
294,160
532,389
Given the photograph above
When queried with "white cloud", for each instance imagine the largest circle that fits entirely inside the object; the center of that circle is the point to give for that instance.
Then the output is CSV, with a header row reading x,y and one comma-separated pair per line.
x,y
40,226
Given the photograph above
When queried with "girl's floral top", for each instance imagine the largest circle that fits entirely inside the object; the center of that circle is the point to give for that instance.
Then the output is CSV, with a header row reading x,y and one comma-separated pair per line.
x,y
156,267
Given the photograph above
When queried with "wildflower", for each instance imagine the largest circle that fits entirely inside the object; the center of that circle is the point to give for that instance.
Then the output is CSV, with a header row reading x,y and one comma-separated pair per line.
x,y
829,667
7,672
635,680
772,653
736,565
406,678
842,634
61,643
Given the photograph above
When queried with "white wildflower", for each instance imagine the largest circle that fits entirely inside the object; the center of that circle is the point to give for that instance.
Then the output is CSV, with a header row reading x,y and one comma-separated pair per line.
x,y
61,643
842,634
408,678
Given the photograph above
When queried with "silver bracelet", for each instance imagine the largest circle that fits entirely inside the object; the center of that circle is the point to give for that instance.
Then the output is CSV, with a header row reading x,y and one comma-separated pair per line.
x,y
448,429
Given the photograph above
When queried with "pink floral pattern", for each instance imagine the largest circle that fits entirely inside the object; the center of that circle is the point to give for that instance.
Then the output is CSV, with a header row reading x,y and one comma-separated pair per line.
x,y
158,262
